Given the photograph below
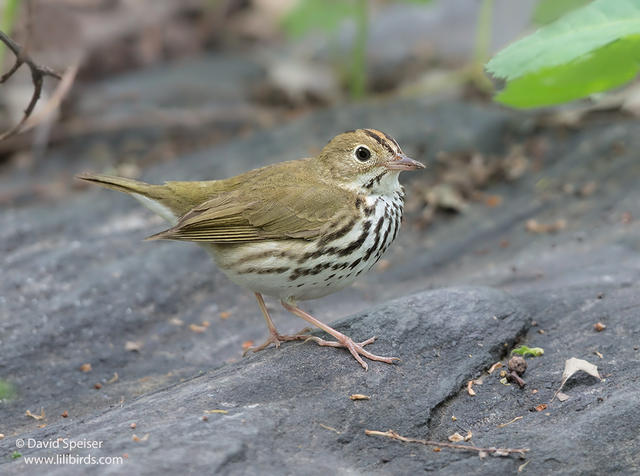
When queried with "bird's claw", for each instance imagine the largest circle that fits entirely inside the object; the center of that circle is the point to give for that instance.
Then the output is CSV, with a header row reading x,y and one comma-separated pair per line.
x,y
356,349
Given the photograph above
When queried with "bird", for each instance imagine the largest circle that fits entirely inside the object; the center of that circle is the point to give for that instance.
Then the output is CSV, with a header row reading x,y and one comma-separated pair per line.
x,y
294,230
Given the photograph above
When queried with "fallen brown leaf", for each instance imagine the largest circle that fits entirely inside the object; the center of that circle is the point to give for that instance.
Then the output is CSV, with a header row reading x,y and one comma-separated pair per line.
x,y
493,200
542,406
456,437
196,328
533,226
599,326
247,344
85,367
573,365
359,396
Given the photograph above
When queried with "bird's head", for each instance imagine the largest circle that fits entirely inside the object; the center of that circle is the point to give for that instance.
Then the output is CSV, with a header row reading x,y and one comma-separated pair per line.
x,y
367,160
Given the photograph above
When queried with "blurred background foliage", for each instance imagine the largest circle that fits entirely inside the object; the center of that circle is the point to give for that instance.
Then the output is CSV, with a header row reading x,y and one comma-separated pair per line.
x,y
160,78
571,56
7,20
591,49
574,53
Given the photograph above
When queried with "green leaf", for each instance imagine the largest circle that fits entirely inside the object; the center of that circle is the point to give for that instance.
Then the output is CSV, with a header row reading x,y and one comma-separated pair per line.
x,y
569,38
7,390
15,455
547,11
524,351
7,22
603,69
325,15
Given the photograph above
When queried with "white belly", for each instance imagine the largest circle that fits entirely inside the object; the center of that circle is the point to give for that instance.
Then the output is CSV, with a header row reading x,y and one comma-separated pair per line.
x,y
302,269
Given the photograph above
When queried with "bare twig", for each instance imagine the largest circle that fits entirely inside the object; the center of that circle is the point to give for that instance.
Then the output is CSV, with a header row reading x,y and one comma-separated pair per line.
x,y
38,73
56,98
502,425
481,451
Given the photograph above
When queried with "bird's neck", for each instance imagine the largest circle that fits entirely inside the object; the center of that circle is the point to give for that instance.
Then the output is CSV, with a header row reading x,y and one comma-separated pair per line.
x,y
383,183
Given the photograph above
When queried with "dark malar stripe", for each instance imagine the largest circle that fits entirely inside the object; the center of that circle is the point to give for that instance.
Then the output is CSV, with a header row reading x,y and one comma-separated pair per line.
x,y
379,140
375,179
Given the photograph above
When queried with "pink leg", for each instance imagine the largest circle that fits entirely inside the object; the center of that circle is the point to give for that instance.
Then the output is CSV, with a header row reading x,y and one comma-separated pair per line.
x,y
356,349
274,337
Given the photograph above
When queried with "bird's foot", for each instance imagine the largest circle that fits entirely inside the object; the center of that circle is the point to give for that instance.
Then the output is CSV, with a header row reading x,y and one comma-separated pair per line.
x,y
275,338
356,349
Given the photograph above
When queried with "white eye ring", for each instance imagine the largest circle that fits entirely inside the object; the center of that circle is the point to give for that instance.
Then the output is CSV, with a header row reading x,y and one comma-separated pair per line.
x,y
362,153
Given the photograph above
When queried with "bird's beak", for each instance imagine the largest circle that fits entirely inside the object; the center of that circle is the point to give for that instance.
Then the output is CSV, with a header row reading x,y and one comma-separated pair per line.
x,y
402,162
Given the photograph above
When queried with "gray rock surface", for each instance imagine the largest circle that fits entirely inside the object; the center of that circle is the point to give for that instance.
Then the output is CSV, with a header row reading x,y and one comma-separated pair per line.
x,y
77,285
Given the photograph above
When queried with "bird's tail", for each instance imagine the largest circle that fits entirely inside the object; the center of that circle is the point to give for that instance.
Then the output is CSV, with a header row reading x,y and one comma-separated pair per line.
x,y
158,198
120,184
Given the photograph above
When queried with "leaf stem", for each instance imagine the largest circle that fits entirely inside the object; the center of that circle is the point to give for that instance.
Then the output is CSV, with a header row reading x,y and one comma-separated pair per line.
x,y
358,76
8,18
483,33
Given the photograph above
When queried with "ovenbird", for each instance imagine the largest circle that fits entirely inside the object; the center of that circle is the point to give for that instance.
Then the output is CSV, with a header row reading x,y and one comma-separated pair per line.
x,y
294,230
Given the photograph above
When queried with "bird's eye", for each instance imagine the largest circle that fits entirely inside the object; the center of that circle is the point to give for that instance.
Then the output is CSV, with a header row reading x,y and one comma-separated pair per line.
x,y
363,154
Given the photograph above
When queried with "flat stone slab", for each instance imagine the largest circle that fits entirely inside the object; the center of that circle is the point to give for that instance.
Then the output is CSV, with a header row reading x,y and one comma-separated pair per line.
x,y
79,287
